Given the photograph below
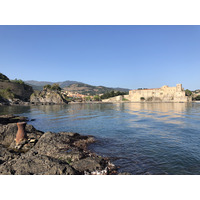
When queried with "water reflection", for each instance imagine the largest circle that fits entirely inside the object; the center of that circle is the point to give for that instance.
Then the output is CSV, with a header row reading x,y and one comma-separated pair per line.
x,y
159,107
155,138
4,110
166,112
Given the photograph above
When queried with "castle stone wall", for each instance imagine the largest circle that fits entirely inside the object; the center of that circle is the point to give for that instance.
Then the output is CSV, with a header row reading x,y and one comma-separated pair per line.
x,y
163,94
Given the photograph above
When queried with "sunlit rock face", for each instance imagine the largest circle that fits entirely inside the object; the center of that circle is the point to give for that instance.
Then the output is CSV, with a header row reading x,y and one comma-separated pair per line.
x,y
47,97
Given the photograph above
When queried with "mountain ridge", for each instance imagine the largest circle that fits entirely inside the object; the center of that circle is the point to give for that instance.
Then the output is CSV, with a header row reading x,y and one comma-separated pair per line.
x,y
75,86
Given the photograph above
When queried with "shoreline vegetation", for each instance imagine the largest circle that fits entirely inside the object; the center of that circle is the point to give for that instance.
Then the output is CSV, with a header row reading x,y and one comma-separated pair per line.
x,y
17,92
39,153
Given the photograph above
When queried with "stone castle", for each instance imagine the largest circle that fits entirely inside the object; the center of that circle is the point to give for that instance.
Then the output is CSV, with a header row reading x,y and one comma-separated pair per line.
x,y
163,94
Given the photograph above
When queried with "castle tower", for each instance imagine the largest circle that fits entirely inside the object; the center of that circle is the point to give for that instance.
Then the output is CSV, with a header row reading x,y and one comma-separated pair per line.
x,y
179,88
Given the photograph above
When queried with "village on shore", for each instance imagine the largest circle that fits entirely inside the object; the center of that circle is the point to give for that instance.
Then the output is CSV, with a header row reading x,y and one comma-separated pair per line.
x,y
17,92
25,150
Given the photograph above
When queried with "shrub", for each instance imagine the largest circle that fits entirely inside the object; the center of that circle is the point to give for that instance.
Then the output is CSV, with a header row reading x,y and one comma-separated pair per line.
x,y
96,97
18,81
52,87
47,86
3,77
87,98
188,92
124,99
112,94
55,87
6,94
197,98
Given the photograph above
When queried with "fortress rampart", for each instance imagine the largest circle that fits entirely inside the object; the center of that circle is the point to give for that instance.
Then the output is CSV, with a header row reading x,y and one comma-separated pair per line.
x,y
163,94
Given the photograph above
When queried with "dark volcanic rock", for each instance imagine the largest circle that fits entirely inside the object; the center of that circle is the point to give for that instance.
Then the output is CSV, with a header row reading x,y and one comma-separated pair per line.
x,y
6,155
88,164
48,153
7,133
36,164
6,119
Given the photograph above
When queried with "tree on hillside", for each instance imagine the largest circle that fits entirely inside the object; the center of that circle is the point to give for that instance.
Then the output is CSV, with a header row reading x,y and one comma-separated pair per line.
x,y
197,98
188,92
96,98
112,94
47,86
18,81
3,77
55,87
87,98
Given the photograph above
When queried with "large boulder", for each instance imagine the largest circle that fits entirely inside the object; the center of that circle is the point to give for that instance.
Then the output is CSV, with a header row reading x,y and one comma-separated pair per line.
x,y
47,97
62,145
6,155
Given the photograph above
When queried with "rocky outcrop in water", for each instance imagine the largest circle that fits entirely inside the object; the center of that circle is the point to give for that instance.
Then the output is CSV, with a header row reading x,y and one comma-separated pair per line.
x,y
63,153
47,97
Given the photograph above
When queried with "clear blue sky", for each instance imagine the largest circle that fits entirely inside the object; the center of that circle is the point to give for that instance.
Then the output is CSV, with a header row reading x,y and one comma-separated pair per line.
x,y
114,56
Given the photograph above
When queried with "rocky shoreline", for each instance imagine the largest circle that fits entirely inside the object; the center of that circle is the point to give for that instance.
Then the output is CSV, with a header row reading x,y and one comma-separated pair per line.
x,y
48,153
21,103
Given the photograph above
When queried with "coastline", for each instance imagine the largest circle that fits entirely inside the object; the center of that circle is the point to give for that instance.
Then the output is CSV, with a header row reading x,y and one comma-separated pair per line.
x,y
63,153
92,102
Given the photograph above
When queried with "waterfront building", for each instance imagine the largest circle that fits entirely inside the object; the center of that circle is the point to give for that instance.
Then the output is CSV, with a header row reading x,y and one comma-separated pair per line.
x,y
163,94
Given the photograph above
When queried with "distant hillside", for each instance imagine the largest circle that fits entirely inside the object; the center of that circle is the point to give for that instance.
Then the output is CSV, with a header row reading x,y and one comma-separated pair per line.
x,y
75,86
38,85
121,89
83,88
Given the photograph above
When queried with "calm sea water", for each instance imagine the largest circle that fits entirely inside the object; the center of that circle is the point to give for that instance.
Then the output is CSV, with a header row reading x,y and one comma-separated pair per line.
x,y
140,138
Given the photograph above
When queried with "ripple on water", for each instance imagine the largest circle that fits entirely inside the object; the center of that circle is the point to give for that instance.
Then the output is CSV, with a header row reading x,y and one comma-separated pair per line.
x,y
142,138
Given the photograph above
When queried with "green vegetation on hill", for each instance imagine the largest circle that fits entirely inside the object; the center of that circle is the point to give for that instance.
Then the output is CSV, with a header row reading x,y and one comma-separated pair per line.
x,y
6,94
38,85
188,93
86,89
74,86
112,94
3,77
197,98
18,81
54,87
97,98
